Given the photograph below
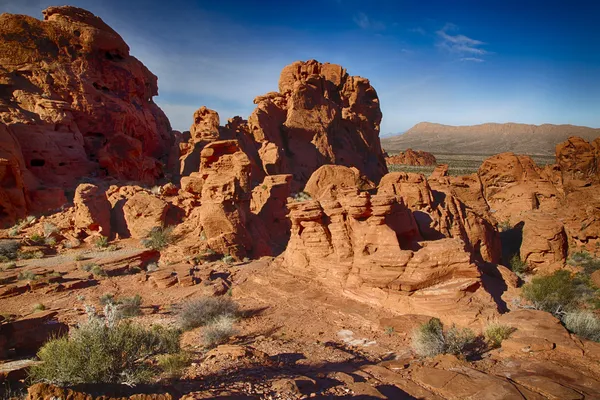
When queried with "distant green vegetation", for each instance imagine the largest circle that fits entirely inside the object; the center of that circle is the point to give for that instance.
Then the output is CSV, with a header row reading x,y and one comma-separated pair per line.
x,y
459,164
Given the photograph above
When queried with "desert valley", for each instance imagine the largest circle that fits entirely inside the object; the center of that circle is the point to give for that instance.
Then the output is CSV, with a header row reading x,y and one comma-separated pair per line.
x,y
287,254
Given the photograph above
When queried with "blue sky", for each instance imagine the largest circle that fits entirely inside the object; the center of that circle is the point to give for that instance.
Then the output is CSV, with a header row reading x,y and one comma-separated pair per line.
x,y
447,61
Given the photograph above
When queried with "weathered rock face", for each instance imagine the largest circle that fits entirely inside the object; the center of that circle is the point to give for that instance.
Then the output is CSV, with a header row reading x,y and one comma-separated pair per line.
x,y
328,180
441,214
370,247
92,210
13,194
411,157
77,103
26,335
321,115
544,245
143,212
579,162
513,184
45,391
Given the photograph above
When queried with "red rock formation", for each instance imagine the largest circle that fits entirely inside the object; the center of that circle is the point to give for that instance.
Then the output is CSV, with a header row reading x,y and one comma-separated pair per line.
x,y
579,162
411,157
544,246
328,180
366,246
143,212
321,115
92,210
77,103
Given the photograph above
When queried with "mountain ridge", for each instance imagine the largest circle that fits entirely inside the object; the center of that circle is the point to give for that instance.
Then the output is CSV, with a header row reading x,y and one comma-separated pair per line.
x,y
487,138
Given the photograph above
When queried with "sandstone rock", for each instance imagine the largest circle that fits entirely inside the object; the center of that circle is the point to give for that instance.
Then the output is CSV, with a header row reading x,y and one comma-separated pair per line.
x,y
92,209
411,157
326,181
514,184
26,335
579,161
439,172
144,211
367,247
544,246
77,103
13,196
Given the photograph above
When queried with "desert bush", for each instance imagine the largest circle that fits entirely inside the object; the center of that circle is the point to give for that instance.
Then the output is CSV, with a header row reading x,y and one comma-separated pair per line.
x,y
107,298
430,339
159,238
152,267
301,196
504,225
13,232
49,229
50,241
95,269
9,249
37,238
10,265
218,331
100,351
227,259
38,307
101,242
553,293
584,259
495,333
129,307
204,310
79,257
157,190
27,276
173,365
517,265
389,330
28,255
583,323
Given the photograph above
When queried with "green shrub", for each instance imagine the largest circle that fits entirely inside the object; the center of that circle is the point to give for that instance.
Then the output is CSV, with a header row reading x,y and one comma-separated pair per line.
x,y
107,298
37,238
79,257
584,259
227,259
583,323
173,365
301,196
38,307
50,241
505,225
204,310
49,229
430,339
13,232
101,352
29,255
517,265
27,276
9,249
101,242
95,269
389,330
10,265
130,307
158,238
554,293
218,331
495,333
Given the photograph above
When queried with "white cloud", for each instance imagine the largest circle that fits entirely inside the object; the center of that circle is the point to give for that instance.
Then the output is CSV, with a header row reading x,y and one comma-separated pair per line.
x,y
474,59
460,44
365,22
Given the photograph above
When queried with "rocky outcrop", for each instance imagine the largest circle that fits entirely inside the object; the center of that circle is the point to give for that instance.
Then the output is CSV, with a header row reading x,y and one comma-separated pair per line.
x,y
371,248
513,184
412,157
26,335
13,192
92,210
579,162
143,212
45,391
321,115
544,246
329,180
76,103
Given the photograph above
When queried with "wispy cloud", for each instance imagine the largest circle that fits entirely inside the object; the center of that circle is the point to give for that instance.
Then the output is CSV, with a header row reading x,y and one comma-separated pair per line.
x,y
474,59
460,44
365,22
418,30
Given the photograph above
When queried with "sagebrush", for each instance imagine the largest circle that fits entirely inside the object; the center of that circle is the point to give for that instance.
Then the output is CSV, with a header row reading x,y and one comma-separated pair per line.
x,y
204,310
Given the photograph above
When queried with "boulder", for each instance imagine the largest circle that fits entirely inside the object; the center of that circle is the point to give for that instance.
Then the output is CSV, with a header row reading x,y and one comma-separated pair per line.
x,y
411,157
579,162
326,181
544,246
144,211
92,210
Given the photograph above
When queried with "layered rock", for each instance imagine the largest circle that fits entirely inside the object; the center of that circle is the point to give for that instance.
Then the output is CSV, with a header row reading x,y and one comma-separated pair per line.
x,y
544,246
367,246
579,162
412,157
92,210
321,115
76,103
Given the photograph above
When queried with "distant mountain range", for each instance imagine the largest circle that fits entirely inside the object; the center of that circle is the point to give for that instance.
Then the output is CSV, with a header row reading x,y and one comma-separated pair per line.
x,y
486,139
